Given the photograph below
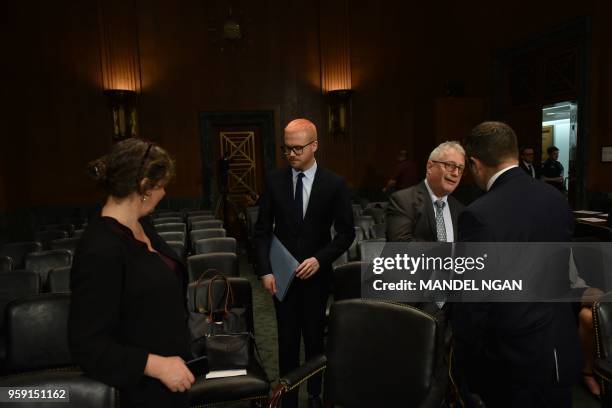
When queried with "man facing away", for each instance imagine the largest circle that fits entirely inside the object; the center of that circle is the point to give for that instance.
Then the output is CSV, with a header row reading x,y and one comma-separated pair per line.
x,y
299,206
426,211
514,354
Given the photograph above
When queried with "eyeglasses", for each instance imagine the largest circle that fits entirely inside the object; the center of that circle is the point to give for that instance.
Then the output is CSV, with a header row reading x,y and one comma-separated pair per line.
x,y
450,166
297,150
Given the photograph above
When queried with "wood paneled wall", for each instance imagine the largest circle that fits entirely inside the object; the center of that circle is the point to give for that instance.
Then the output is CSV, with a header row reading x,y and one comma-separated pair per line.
x,y
399,57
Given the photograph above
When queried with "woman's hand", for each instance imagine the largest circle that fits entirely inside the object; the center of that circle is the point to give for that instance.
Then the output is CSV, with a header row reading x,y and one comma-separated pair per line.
x,y
171,371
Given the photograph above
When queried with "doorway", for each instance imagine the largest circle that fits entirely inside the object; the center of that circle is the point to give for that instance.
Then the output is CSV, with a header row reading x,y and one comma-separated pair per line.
x,y
238,149
560,130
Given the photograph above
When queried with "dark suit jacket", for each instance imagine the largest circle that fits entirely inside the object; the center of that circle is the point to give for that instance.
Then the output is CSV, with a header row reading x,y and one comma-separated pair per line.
x,y
499,343
127,303
526,170
329,204
410,215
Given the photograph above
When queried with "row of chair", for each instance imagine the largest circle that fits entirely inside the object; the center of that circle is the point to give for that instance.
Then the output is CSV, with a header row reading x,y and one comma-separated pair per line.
x,y
45,316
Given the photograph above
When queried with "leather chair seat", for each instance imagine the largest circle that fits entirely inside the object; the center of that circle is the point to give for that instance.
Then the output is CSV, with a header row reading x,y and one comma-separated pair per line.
x,y
217,390
83,391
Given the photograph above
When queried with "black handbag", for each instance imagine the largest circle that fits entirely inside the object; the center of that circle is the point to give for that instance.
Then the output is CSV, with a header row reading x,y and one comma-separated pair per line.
x,y
218,330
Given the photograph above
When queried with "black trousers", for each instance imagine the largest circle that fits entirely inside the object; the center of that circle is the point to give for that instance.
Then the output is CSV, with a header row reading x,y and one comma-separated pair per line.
x,y
302,313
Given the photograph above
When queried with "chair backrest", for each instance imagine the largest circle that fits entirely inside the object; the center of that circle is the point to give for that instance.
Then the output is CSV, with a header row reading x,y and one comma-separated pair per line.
x,y
371,248
65,243
377,213
179,248
15,285
167,220
172,236
219,244
196,218
37,332
357,210
17,251
196,213
59,279
69,228
365,221
78,233
224,262
342,259
6,263
378,230
353,251
602,323
84,392
347,281
42,262
46,236
168,214
400,348
208,224
172,227
197,235
159,213
243,296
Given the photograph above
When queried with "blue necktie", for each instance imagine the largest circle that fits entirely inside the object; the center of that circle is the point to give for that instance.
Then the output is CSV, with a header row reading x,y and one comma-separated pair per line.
x,y
299,200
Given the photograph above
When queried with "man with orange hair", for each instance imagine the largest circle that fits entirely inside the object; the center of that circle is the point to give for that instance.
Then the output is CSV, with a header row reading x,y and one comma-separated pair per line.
x,y
300,205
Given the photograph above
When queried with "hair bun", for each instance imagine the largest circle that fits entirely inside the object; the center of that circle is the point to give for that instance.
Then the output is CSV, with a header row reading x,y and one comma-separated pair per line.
x,y
97,170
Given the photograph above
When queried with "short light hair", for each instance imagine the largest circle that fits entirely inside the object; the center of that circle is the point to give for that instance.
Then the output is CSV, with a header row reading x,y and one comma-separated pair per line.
x,y
301,124
444,147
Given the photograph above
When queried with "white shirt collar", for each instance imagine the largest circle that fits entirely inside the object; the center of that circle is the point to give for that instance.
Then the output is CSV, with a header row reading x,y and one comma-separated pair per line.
x,y
310,173
499,173
435,198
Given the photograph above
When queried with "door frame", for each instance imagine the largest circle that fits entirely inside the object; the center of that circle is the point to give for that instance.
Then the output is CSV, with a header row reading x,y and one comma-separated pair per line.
x,y
578,33
208,120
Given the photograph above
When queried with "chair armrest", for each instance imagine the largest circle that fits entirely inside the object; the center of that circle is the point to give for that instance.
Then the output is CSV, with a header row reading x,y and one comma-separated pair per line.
x,y
297,376
603,369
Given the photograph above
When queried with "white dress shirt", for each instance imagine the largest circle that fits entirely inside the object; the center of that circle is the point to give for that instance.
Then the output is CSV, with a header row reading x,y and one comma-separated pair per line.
x,y
307,181
448,220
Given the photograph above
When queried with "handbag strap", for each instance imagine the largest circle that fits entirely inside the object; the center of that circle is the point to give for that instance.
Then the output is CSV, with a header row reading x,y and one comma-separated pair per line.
x,y
197,285
229,294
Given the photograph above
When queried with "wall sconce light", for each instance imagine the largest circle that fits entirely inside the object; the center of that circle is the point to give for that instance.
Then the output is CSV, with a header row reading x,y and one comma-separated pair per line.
x,y
123,105
339,111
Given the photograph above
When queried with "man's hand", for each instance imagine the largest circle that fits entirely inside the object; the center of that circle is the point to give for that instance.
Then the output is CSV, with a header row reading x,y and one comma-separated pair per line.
x,y
307,268
269,284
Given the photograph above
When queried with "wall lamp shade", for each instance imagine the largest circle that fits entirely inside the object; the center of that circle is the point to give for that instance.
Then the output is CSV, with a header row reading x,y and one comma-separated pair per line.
x,y
339,111
123,106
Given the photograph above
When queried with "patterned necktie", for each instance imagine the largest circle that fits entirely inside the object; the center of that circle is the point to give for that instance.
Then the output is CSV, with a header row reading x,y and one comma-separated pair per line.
x,y
440,228
299,200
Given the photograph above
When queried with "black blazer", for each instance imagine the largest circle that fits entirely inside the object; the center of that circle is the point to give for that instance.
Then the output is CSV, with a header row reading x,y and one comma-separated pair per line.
x,y
126,303
410,215
526,170
329,204
517,342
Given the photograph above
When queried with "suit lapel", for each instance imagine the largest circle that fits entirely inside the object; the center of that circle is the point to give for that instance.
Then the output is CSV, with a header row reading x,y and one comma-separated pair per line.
x,y
314,192
431,220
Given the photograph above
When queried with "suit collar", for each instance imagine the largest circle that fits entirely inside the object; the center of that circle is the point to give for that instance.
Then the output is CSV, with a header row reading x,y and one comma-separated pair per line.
x,y
506,175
